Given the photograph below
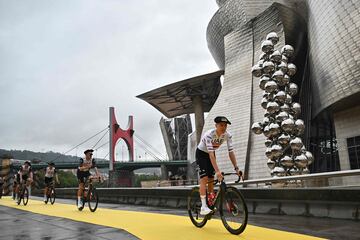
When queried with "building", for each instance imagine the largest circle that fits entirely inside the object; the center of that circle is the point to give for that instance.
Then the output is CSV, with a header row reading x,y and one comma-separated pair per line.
x,y
326,38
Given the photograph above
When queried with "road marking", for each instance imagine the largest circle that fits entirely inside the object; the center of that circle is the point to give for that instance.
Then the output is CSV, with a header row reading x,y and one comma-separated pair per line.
x,y
152,225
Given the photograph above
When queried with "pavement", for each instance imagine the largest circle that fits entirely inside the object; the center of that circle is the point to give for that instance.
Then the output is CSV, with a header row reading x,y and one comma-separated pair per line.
x,y
114,221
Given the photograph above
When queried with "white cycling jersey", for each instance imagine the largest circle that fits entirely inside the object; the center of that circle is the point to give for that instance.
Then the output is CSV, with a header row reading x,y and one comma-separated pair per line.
x,y
210,141
49,173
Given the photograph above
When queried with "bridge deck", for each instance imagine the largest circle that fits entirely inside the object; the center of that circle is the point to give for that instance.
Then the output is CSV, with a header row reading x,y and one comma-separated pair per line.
x,y
145,225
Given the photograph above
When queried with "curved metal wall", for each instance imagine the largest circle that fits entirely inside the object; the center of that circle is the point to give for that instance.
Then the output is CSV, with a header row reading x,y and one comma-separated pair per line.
x,y
334,42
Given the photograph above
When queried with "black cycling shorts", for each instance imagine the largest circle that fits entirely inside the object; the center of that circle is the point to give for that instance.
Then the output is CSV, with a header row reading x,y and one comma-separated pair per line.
x,y
82,176
48,181
203,162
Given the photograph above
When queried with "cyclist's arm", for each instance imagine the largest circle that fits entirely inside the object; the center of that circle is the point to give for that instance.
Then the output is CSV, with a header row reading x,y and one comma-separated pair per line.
x,y
214,164
56,176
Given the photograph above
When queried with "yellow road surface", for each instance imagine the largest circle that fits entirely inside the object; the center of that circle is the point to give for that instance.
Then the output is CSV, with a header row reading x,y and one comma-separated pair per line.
x,y
152,225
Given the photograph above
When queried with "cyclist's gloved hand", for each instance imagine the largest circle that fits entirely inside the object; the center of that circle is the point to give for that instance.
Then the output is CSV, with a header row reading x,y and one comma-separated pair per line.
x,y
219,176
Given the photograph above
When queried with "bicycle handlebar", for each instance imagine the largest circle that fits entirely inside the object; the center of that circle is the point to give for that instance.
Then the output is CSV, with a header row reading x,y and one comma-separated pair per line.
x,y
240,177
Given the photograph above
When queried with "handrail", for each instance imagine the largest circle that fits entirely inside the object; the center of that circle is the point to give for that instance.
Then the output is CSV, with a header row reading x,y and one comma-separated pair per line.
x,y
343,173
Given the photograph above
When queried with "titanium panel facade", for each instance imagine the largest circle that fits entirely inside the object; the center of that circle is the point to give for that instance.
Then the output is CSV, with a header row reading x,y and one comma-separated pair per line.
x,y
326,38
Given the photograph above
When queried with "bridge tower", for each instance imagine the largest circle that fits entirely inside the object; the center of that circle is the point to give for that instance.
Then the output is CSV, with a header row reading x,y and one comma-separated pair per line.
x,y
117,133
123,178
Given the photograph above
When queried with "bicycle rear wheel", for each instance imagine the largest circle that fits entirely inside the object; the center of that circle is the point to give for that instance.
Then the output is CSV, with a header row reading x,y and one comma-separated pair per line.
x,y
194,206
52,196
93,199
25,196
233,211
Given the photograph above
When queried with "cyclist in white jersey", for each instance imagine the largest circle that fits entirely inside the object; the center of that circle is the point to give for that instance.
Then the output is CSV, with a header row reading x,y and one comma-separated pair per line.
x,y
206,159
50,172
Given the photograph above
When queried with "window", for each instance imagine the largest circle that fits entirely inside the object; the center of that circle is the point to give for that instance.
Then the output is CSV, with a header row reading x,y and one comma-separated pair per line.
x,y
354,152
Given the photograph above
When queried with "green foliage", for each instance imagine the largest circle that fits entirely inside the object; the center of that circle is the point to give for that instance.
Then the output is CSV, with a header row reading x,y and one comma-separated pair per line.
x,y
140,178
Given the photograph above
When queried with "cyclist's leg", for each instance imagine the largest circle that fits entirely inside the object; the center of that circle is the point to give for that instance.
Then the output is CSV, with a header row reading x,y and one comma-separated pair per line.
x,y
201,160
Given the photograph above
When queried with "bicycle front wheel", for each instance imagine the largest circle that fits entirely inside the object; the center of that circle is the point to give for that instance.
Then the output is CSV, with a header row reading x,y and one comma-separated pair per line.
x,y
233,211
93,199
194,206
25,197
52,196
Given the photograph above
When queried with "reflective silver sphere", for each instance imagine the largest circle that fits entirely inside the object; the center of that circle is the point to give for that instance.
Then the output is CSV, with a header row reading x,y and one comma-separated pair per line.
x,y
268,153
268,142
271,86
293,89
284,59
279,172
296,108
265,121
305,171
284,140
287,51
267,46
281,116
273,37
287,162
264,56
272,107
263,81
288,125
310,157
283,67
301,161
295,171
299,126
256,70
264,102
286,79
285,108
268,67
291,69
288,99
257,128
280,97
276,151
274,129
296,144
270,163
275,56
266,131
278,76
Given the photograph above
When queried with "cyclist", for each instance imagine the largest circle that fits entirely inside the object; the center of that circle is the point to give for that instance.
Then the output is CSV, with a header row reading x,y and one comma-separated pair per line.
x,y
50,171
206,159
16,180
25,174
83,172
1,186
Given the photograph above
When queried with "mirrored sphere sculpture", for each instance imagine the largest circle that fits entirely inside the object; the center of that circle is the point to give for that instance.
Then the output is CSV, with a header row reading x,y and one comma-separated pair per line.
x,y
281,125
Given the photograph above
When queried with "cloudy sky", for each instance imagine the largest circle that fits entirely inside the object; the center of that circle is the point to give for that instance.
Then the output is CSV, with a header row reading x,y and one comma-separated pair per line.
x,y
63,63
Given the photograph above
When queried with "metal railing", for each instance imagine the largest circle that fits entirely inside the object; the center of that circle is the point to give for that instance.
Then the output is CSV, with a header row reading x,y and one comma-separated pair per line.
x,y
294,181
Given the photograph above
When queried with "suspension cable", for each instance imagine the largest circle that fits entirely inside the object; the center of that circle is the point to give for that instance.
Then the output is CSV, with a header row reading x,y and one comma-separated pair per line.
x,y
147,150
150,146
101,138
80,143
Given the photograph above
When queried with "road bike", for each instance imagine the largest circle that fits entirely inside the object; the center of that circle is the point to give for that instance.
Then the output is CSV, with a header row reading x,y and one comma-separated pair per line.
x,y
228,201
23,194
50,194
90,194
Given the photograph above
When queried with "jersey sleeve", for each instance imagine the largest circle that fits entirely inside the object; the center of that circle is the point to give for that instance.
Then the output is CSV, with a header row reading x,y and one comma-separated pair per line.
x,y
208,143
229,143
81,161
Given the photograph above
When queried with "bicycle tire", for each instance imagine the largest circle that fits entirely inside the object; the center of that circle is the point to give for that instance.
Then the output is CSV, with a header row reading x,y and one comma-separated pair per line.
x,y
194,206
233,210
25,196
93,199
52,196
